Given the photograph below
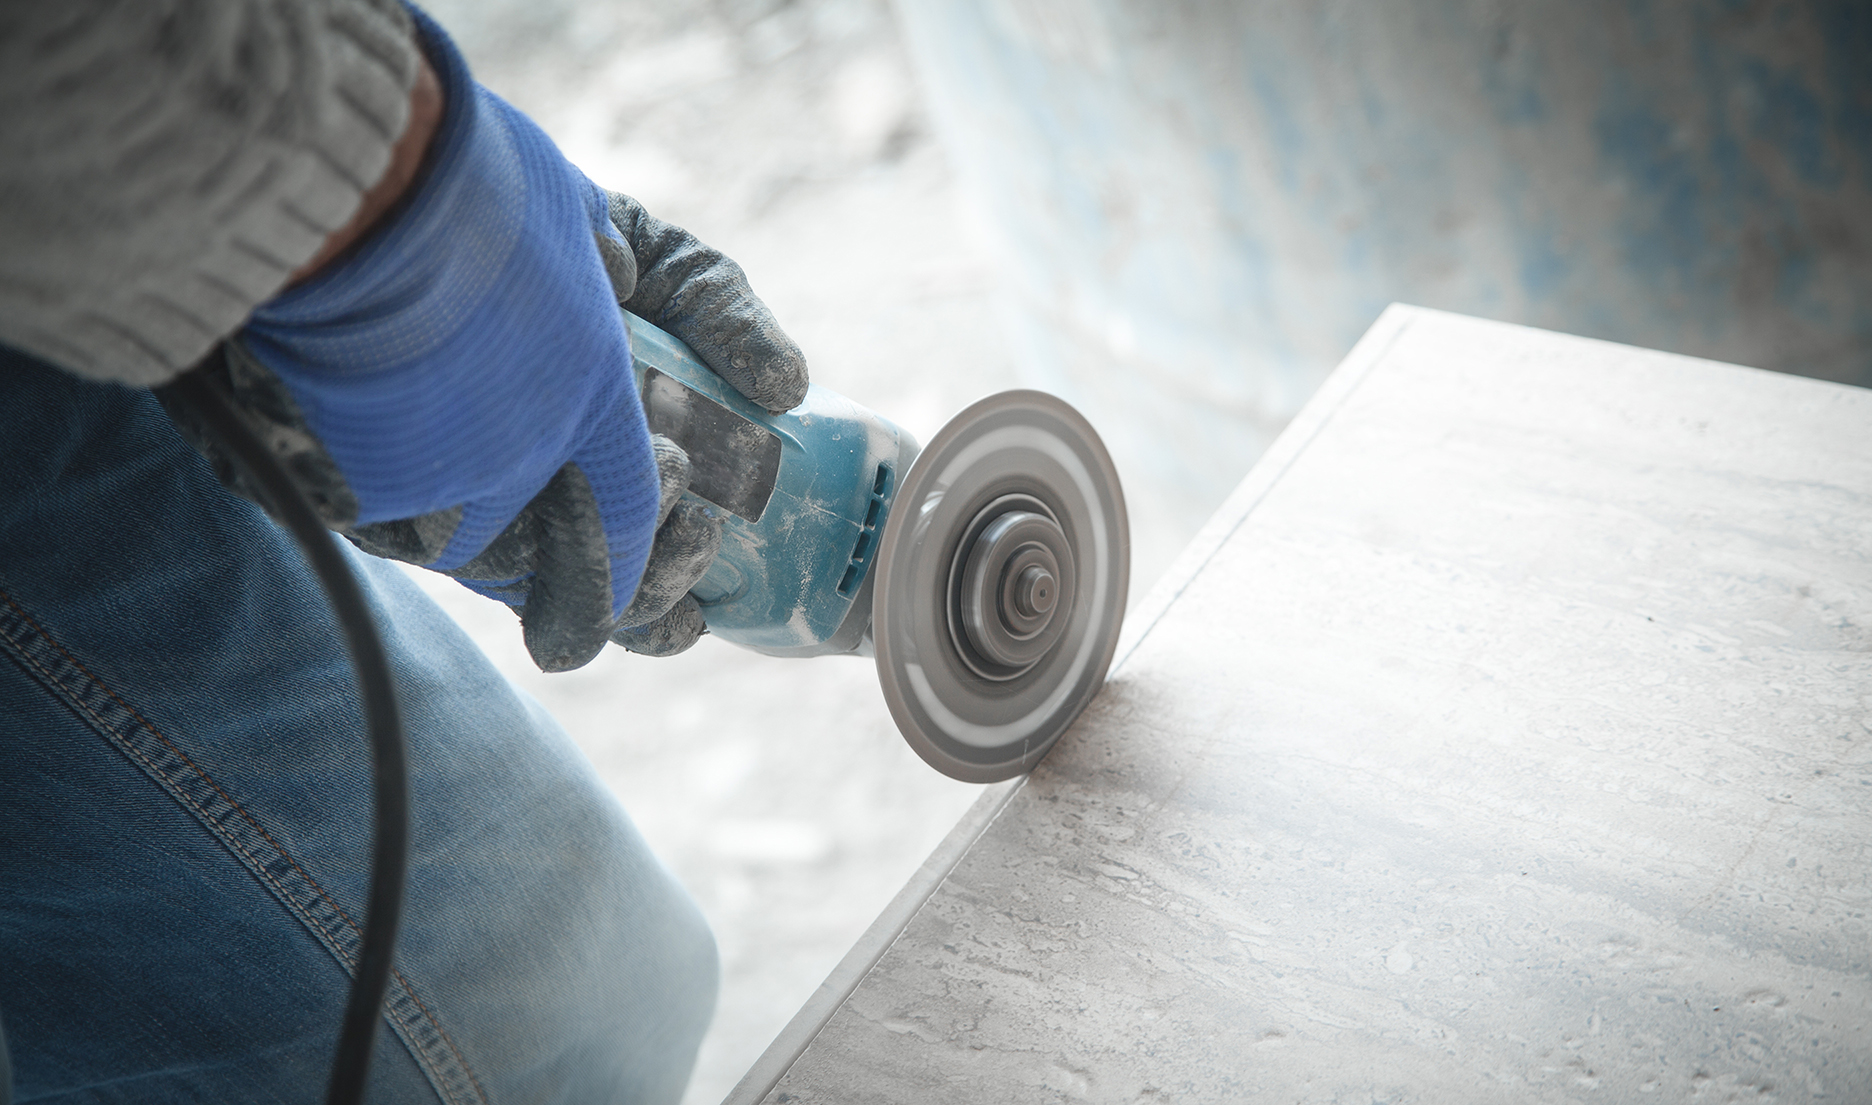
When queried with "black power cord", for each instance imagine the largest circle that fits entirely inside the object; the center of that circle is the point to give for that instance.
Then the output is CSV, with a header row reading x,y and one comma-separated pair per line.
x,y
194,394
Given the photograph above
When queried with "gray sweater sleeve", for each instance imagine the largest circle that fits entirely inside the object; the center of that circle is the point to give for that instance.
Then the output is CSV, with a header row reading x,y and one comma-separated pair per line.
x,y
165,164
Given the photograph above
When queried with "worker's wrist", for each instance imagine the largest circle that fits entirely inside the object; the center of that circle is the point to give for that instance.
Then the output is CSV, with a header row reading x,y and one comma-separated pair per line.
x,y
427,106
430,255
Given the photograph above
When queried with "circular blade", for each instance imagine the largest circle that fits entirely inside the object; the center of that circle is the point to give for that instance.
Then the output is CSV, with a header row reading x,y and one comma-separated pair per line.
x,y
1014,498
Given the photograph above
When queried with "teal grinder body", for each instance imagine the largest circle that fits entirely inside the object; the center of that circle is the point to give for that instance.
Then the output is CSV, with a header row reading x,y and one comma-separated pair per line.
x,y
803,497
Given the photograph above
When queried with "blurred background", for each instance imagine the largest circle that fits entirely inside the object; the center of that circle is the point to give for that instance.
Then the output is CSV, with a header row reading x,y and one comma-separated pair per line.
x,y
1178,214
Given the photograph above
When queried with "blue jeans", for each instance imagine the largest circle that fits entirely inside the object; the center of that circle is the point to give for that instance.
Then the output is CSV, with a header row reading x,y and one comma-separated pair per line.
x,y
185,813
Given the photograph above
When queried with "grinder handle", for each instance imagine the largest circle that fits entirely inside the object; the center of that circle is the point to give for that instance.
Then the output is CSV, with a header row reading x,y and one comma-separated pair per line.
x,y
803,497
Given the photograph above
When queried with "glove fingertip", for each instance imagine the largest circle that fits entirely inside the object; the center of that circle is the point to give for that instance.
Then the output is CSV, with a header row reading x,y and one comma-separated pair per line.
x,y
676,631
568,607
769,369
784,384
673,471
685,546
553,648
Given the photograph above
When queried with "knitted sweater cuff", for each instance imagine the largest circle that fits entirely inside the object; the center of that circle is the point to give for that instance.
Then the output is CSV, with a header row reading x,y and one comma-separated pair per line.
x,y
170,164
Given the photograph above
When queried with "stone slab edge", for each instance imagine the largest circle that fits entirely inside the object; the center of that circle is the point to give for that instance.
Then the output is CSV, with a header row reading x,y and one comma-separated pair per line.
x,y
793,1040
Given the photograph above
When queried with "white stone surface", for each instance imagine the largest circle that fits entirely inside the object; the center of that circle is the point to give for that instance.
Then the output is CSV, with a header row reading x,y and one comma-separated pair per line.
x,y
1507,737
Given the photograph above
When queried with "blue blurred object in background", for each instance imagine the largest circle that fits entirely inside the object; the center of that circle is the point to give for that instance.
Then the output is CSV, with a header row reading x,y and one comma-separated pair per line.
x,y
1201,205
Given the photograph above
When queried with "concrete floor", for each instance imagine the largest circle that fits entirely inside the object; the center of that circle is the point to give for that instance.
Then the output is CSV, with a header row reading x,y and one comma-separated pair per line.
x,y
790,136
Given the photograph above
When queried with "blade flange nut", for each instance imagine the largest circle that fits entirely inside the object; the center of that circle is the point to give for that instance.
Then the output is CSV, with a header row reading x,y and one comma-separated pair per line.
x,y
1018,614
1016,554
1033,592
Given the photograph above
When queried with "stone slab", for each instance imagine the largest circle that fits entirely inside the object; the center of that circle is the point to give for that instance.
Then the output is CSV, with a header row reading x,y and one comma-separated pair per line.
x,y
1506,737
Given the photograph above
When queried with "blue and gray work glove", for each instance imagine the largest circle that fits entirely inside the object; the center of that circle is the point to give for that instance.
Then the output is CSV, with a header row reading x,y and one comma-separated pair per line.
x,y
458,393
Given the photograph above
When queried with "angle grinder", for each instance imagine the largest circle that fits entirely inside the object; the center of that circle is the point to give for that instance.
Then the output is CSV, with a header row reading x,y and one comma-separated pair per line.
x,y
986,572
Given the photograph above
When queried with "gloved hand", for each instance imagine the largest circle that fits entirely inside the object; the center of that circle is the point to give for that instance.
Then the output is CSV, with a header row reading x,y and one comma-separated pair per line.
x,y
457,393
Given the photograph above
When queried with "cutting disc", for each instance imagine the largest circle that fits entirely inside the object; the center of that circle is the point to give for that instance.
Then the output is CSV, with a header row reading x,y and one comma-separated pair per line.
x,y
1001,584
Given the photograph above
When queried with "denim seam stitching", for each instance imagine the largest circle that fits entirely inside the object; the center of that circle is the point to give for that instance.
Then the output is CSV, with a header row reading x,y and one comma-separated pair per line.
x,y
436,1022
401,1017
